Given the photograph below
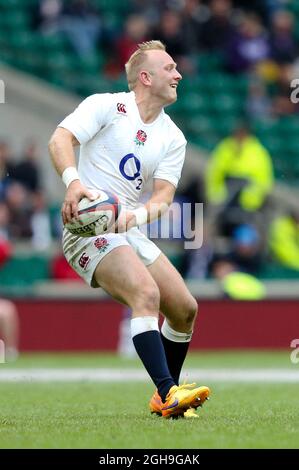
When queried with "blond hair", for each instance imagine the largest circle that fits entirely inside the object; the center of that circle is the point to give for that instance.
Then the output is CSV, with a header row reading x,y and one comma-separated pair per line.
x,y
137,58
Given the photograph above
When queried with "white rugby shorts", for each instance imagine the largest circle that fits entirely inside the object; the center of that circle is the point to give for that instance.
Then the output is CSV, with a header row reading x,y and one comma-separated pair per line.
x,y
85,253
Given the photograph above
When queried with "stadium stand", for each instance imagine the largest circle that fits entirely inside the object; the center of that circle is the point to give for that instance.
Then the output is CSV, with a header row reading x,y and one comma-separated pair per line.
x,y
211,97
211,101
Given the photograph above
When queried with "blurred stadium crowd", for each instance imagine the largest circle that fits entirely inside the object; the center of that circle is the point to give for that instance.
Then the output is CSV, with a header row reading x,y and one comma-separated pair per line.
x,y
238,59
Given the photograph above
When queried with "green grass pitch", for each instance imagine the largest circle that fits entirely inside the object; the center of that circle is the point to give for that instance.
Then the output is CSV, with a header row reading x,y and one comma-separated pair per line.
x,y
115,415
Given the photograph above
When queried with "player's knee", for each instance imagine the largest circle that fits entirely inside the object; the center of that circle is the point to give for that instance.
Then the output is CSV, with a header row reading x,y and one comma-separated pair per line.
x,y
148,298
190,311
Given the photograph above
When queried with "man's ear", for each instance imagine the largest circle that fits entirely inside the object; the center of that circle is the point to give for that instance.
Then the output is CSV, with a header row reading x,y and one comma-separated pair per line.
x,y
145,77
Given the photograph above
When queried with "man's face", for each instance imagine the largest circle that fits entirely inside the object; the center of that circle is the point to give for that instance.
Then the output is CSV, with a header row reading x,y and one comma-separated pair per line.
x,y
163,75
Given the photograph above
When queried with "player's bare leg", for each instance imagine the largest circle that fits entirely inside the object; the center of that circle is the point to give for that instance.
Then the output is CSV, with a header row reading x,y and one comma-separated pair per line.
x,y
126,279
176,302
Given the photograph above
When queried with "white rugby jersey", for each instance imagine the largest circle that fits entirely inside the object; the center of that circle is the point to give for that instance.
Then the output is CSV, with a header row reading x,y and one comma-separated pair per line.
x,y
119,152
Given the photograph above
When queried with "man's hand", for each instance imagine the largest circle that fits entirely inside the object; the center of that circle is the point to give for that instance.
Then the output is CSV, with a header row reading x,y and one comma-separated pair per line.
x,y
125,221
74,193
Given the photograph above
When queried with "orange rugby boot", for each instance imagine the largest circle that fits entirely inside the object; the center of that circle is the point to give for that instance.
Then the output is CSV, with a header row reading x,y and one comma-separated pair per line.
x,y
156,403
182,398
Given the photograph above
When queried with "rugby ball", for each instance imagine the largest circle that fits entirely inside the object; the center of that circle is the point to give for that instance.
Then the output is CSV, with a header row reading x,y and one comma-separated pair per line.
x,y
95,217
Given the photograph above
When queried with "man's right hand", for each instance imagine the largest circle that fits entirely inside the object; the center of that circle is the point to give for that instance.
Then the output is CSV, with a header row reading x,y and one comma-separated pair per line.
x,y
74,193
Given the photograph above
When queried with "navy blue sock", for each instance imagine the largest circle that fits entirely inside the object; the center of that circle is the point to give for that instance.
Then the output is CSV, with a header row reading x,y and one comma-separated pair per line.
x,y
150,349
175,354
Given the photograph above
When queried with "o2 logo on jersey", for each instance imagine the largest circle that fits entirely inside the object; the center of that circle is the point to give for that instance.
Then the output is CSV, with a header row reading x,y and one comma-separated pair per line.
x,y
129,167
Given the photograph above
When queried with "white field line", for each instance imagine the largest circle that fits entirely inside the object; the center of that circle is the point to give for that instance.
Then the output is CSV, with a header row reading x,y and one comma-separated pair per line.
x,y
125,375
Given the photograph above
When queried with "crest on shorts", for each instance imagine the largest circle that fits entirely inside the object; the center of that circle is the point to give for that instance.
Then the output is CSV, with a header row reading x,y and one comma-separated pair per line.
x,y
101,243
140,138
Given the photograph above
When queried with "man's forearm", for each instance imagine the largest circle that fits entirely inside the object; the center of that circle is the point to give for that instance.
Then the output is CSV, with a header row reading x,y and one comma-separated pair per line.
x,y
158,204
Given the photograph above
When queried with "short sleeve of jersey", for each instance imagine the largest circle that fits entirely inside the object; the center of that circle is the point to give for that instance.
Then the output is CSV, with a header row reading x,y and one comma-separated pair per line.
x,y
170,167
89,117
